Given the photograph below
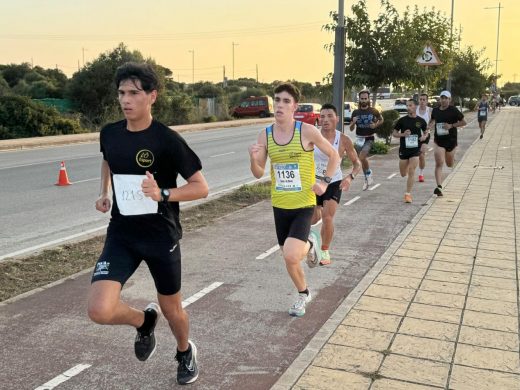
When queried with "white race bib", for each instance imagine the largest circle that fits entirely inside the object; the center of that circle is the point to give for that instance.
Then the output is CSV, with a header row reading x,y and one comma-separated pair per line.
x,y
412,141
482,112
439,127
129,195
360,141
287,177
321,168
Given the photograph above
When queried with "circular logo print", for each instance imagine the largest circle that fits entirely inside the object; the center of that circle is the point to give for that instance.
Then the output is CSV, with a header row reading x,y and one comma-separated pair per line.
x,y
144,158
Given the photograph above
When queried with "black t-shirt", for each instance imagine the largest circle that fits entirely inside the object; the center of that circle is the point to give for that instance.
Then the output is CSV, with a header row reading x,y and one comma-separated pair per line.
x,y
450,115
162,152
365,118
416,125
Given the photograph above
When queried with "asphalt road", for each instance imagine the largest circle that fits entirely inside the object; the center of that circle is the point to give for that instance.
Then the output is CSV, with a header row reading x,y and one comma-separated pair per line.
x,y
244,335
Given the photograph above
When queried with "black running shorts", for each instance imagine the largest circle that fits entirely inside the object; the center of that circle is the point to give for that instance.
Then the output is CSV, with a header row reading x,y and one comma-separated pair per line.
x,y
295,223
404,155
121,257
447,143
333,192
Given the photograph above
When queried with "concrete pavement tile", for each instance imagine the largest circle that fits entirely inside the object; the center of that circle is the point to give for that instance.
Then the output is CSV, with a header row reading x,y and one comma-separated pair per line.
x,y
455,250
397,281
340,357
496,294
454,258
419,246
468,378
462,231
495,241
431,329
499,220
409,262
423,232
439,299
494,254
317,378
450,267
417,254
493,272
435,313
431,226
415,370
446,287
502,264
494,234
423,348
498,229
381,305
489,338
510,247
397,293
463,237
403,271
361,338
443,276
490,321
390,384
494,359
371,320
490,306
488,281
449,241
422,239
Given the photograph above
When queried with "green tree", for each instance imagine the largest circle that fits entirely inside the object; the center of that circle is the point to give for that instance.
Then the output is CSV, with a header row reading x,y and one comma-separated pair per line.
x,y
4,87
13,73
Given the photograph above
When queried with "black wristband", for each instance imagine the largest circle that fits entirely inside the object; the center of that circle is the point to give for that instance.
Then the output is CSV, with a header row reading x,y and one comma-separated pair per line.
x,y
351,176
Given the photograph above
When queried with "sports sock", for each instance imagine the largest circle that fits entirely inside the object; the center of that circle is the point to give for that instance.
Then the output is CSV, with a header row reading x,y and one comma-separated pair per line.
x,y
306,292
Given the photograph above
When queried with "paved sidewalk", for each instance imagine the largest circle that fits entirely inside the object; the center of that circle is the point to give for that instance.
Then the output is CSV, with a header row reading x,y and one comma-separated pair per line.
x,y
440,308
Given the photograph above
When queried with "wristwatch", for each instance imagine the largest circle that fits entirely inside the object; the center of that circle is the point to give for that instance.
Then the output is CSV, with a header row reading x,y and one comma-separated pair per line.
x,y
351,176
165,194
327,179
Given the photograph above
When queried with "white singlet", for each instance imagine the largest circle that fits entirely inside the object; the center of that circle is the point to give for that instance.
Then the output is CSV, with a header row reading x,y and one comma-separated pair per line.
x,y
321,160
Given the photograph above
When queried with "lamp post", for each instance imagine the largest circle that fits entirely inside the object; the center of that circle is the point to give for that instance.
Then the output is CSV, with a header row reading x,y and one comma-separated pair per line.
x,y
338,80
192,65
498,39
233,44
448,83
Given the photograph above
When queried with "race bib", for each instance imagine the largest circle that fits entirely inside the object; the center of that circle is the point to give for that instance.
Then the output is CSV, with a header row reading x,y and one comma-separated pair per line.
x,y
129,195
482,113
287,177
440,129
412,141
321,168
360,141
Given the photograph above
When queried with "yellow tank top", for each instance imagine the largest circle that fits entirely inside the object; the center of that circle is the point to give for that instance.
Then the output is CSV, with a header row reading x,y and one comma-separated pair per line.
x,y
292,172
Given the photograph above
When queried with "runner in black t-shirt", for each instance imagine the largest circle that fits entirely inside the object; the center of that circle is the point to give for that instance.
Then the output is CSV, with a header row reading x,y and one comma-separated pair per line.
x,y
142,159
444,121
482,108
365,120
411,129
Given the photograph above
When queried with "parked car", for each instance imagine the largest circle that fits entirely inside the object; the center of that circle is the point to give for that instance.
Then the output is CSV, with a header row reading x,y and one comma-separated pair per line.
x,y
514,100
261,106
308,113
347,112
400,105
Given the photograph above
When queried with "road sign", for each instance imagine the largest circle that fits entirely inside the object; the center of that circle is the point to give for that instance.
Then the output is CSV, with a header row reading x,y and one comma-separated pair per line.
x,y
428,57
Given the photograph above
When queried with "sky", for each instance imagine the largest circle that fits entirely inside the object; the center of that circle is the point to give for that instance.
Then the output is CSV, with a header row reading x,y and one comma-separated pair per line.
x,y
281,40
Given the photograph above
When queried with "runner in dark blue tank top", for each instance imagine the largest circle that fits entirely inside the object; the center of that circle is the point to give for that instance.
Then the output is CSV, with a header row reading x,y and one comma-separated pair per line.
x,y
482,108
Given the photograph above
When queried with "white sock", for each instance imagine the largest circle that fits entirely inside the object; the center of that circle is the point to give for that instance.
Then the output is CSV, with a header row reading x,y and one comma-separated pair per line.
x,y
421,172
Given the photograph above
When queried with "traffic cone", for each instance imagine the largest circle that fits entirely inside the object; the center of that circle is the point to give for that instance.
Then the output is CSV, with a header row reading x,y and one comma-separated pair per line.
x,y
63,179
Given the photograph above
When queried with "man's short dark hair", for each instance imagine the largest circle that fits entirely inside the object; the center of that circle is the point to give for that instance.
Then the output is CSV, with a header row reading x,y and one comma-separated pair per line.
x,y
291,89
424,94
329,106
412,100
364,91
138,71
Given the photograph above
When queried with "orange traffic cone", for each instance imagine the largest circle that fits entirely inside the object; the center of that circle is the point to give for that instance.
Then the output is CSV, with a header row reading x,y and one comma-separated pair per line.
x,y
63,179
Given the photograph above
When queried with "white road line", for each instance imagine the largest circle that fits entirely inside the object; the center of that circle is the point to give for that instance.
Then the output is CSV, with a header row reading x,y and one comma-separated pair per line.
x,y
83,181
63,377
54,242
201,293
352,201
49,162
374,187
268,252
222,154
392,175
430,149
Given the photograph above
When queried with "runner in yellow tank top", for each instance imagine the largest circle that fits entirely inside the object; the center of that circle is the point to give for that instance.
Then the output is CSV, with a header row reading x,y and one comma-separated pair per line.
x,y
290,147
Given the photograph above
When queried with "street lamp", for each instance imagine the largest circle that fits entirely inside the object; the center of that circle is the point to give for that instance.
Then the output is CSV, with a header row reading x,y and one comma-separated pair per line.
x,y
498,37
192,65
338,79
448,83
233,44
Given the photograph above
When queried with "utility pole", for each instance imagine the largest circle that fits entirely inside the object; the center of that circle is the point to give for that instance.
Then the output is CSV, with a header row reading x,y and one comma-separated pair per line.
x,y
257,73
514,77
448,83
338,79
192,65
233,44
498,39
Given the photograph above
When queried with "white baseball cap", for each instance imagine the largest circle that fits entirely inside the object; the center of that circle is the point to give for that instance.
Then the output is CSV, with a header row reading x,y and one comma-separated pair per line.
x,y
446,93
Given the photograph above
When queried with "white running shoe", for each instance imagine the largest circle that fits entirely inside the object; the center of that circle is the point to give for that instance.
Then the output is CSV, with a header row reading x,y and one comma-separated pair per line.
x,y
314,254
298,308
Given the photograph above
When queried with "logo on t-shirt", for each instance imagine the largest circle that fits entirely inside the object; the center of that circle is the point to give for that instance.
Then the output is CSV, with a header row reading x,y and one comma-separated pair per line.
x,y
144,158
418,125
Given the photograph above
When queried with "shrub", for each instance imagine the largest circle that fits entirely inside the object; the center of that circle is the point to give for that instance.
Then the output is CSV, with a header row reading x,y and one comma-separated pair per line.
x,y
385,130
209,118
379,147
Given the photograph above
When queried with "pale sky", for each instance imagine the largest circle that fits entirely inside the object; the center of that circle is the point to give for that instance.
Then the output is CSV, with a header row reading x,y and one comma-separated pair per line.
x,y
284,38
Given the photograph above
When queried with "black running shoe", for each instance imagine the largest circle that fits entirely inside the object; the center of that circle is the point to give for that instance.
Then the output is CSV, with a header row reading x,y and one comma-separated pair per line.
x,y
187,371
438,191
145,344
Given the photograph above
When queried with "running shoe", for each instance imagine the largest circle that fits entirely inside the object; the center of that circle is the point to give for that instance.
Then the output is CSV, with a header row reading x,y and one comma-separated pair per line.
x,y
144,345
188,370
407,198
421,178
298,308
314,254
325,257
438,191
370,179
481,136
